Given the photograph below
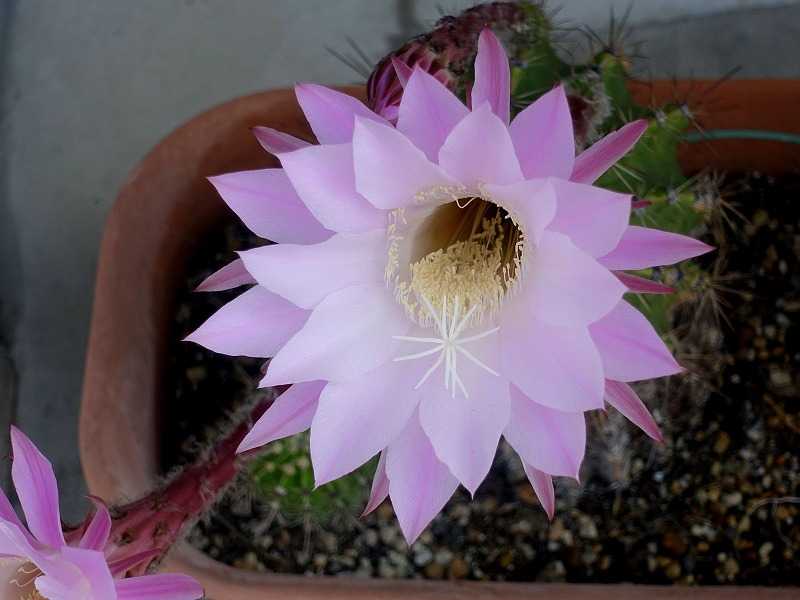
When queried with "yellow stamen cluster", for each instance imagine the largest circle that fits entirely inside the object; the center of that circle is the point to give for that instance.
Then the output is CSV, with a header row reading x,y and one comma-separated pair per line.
x,y
469,249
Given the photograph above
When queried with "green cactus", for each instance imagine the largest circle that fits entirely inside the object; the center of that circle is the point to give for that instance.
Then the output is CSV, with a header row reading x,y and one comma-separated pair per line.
x,y
283,477
537,66
601,103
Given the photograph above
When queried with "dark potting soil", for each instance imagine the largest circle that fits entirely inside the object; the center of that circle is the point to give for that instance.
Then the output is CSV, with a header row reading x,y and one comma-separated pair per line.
x,y
716,503
205,387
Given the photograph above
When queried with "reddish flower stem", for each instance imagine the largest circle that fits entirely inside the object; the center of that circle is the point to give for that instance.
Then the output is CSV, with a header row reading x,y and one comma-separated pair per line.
x,y
151,525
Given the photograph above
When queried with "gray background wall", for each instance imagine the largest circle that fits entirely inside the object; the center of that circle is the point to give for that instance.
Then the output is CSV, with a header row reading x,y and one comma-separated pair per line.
x,y
87,87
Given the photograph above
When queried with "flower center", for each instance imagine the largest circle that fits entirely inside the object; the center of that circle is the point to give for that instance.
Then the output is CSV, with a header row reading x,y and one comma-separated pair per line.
x,y
469,249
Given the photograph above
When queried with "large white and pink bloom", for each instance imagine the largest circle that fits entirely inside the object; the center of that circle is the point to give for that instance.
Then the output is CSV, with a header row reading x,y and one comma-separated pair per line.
x,y
439,284
40,561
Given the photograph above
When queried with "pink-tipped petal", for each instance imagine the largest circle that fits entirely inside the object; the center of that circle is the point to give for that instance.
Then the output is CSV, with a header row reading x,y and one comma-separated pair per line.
x,y
305,274
15,541
331,114
276,142
551,440
630,348
268,205
622,397
17,545
531,202
492,76
402,70
291,413
37,490
598,158
164,586
389,169
465,430
543,137
565,286
419,483
428,112
380,486
7,512
542,484
325,180
593,218
96,535
640,285
479,151
228,277
357,419
558,366
256,323
643,247
349,333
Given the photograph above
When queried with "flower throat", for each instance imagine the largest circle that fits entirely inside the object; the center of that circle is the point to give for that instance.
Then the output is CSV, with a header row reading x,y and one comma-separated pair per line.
x,y
468,249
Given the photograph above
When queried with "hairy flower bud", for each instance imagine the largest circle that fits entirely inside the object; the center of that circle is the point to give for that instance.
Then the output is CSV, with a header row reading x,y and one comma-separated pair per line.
x,y
447,52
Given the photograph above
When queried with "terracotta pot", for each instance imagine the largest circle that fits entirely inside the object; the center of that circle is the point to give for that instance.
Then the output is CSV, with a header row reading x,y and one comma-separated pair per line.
x,y
162,214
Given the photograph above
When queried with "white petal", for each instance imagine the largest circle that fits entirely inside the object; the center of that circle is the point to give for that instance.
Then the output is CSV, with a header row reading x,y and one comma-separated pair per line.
x,y
465,431
357,419
348,334
305,274
479,150
389,169
419,483
324,179
565,286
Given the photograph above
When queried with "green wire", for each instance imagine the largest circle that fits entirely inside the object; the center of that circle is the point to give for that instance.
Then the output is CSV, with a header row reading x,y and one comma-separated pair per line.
x,y
742,134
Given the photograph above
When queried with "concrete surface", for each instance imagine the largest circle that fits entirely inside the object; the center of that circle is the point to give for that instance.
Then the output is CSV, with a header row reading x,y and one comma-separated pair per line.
x,y
88,87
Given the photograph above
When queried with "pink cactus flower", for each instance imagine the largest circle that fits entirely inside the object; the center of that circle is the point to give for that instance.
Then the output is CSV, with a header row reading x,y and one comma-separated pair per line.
x,y
439,284
40,561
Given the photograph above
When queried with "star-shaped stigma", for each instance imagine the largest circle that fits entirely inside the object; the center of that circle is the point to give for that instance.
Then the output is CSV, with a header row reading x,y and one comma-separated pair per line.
x,y
448,345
